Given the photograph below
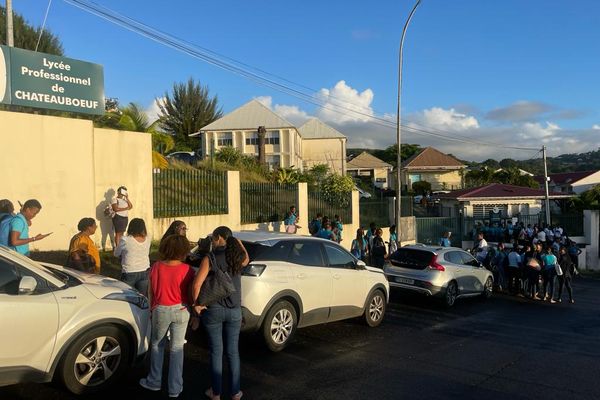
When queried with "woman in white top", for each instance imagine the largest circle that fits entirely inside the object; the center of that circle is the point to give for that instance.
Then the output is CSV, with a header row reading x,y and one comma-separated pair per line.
x,y
134,250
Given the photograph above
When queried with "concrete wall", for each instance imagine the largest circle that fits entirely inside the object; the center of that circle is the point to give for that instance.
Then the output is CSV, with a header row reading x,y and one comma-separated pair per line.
x,y
591,229
73,169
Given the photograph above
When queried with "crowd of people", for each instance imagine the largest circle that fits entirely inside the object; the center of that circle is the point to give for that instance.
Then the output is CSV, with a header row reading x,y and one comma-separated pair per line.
x,y
171,284
535,261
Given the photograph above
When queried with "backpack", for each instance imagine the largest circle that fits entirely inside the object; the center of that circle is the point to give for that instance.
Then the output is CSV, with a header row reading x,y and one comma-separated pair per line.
x,y
312,227
108,211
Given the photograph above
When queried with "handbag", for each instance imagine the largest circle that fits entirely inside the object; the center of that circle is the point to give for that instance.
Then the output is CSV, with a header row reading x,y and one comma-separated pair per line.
x,y
558,269
217,286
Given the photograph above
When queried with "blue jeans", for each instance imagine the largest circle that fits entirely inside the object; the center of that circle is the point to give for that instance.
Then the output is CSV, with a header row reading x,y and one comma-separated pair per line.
x,y
137,280
223,327
174,319
548,276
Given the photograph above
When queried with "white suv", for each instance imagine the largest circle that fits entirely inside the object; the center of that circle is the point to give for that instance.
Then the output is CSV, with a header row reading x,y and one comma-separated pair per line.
x,y
57,322
295,281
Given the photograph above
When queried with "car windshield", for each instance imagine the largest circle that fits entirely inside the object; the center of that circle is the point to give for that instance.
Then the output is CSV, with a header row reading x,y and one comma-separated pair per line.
x,y
261,252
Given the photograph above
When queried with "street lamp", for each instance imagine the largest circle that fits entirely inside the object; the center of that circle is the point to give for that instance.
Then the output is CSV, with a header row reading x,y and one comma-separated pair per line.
x,y
398,129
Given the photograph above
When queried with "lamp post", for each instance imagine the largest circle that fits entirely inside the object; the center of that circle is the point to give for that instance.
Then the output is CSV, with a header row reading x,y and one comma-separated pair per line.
x,y
398,128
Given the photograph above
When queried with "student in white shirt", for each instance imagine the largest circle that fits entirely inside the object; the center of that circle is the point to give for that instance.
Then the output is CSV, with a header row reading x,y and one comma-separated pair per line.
x,y
134,250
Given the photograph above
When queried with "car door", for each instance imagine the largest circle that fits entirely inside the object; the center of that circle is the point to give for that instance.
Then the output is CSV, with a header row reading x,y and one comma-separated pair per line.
x,y
313,280
29,322
478,273
460,272
349,284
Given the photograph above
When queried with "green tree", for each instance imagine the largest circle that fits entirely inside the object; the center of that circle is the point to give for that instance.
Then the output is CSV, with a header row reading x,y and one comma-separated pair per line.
x,y
187,109
26,35
421,187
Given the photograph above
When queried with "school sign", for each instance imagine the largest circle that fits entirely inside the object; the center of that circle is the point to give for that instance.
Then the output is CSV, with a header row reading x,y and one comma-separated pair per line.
x,y
32,79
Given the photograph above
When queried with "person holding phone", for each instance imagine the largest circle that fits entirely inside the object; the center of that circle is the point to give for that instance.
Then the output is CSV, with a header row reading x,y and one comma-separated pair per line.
x,y
18,238
121,206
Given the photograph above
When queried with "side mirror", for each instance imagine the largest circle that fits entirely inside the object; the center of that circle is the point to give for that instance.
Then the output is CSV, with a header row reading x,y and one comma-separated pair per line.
x,y
27,285
360,264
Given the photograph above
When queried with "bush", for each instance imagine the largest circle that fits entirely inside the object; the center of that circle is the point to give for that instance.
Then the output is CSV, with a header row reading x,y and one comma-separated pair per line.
x,y
421,187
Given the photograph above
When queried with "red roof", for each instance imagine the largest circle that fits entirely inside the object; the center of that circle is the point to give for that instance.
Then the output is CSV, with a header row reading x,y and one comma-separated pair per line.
x,y
498,190
565,177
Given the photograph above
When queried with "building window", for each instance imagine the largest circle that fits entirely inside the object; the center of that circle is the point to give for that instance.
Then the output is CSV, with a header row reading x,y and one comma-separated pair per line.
x,y
252,139
381,180
225,139
271,137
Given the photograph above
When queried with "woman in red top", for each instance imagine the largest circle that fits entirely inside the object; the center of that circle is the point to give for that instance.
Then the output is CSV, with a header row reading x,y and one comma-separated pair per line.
x,y
169,294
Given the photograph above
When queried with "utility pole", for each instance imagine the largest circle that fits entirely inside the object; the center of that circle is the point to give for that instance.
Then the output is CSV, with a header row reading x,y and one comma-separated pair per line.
x,y
398,128
9,24
546,186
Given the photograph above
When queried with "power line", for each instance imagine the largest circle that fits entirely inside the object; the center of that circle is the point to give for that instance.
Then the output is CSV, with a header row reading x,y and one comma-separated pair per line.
x,y
212,58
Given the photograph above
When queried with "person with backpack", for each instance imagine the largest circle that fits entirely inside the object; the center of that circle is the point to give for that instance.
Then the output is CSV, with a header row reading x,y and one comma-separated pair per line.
x,y
378,250
315,225
18,227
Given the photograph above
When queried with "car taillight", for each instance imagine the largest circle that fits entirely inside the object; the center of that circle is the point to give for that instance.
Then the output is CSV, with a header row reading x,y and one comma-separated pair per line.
x,y
253,269
435,265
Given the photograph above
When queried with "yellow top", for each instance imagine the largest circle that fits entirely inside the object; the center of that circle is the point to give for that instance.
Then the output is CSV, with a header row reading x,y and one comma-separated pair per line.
x,y
85,243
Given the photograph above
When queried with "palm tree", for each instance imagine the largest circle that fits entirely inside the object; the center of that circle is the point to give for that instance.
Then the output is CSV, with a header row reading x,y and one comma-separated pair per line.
x,y
186,110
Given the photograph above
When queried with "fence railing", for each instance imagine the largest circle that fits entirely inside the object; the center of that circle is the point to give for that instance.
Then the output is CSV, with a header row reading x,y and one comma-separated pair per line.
x,y
266,202
572,224
319,203
381,210
181,193
431,229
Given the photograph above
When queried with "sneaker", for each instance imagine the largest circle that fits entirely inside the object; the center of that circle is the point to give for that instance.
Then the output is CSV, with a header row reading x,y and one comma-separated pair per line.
x,y
209,393
572,301
238,396
552,301
174,395
144,383
559,300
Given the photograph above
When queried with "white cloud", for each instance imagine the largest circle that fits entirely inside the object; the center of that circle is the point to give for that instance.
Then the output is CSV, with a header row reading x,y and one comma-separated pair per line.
x,y
292,114
440,118
339,102
153,111
363,132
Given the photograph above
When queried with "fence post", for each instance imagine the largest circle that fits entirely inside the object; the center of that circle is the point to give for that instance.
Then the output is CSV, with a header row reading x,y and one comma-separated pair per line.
x,y
302,205
233,200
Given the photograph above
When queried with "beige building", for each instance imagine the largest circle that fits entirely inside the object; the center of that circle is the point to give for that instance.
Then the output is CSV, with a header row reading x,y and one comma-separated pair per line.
x,y
321,144
286,145
442,171
367,165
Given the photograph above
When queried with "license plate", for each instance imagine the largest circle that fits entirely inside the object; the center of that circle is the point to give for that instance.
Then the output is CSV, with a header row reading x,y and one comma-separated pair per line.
x,y
405,280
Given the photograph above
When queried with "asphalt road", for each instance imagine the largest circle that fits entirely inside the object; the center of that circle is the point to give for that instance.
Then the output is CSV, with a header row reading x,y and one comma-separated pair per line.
x,y
504,348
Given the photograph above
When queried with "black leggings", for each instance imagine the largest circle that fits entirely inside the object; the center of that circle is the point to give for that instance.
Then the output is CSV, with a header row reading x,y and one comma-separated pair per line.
x,y
565,281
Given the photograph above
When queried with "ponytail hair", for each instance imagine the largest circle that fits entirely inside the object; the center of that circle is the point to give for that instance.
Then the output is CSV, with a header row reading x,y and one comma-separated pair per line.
x,y
234,253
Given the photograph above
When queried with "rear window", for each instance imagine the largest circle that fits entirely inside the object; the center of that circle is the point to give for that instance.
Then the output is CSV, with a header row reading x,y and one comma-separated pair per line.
x,y
411,258
260,252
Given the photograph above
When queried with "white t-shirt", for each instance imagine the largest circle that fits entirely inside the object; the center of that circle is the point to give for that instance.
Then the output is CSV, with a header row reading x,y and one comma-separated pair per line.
x,y
541,236
134,255
483,245
121,203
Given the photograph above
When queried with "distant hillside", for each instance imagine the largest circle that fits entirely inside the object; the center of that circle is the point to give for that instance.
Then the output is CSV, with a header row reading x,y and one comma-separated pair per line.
x,y
563,163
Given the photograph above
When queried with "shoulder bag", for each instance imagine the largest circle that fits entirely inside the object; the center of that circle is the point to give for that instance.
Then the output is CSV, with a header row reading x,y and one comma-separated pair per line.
x,y
217,286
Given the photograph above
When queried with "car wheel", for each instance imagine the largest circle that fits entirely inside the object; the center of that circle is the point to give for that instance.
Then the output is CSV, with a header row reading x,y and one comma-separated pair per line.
x,y
280,325
451,294
375,309
488,288
95,359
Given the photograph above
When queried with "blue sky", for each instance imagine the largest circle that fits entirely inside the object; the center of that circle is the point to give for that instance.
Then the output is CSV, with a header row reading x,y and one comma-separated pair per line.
x,y
519,73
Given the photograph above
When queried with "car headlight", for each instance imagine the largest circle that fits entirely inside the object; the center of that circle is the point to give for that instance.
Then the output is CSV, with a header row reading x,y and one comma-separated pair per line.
x,y
131,297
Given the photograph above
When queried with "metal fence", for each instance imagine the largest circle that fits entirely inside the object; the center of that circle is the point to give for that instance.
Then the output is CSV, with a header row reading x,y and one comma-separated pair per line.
x,y
572,224
181,193
431,229
381,210
319,203
266,202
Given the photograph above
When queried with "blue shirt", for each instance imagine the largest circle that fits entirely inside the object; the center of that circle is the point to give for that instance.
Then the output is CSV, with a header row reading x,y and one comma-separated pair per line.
x,y
445,242
290,219
19,224
514,259
549,260
325,234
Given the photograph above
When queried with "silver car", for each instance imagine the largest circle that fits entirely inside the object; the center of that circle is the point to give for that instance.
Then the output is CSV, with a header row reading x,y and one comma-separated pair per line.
x,y
445,272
